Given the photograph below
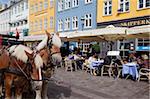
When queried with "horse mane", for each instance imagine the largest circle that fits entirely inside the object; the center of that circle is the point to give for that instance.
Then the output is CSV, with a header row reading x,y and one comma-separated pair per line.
x,y
38,61
55,41
42,44
18,51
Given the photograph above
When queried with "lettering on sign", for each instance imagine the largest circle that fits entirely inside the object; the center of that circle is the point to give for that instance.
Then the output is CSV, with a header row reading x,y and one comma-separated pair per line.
x,y
135,23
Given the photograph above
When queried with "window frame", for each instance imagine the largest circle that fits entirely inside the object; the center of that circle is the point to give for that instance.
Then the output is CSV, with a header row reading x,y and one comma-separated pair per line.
x,y
40,24
75,23
88,1
36,7
60,25
45,4
144,5
40,6
51,22
124,6
51,3
67,24
74,3
88,20
108,5
66,4
45,23
60,5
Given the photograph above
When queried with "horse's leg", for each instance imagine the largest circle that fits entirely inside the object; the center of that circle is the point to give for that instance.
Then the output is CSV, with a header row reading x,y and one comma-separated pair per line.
x,y
38,89
44,90
19,96
38,94
18,93
8,83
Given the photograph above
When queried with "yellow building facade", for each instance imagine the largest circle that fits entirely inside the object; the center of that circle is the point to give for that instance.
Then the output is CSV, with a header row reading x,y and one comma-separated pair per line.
x,y
41,16
118,10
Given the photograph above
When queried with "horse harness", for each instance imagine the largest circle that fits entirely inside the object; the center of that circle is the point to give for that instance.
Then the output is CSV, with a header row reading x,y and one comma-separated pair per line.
x,y
18,71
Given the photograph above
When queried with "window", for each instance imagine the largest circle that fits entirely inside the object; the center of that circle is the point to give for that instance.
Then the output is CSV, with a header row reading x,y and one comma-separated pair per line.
x,y
67,24
45,23
88,1
60,25
107,7
75,22
143,4
51,22
40,24
45,4
60,5
75,3
124,6
41,6
51,3
88,21
67,4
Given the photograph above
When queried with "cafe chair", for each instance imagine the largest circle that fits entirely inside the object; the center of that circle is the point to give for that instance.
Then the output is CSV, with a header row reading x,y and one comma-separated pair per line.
x,y
107,69
68,65
144,73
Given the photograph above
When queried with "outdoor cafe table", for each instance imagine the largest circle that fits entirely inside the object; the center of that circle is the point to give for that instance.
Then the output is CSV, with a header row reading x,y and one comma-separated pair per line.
x,y
131,69
96,64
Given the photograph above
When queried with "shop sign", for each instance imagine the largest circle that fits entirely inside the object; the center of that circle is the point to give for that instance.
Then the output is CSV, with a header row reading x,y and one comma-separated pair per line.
x,y
131,22
136,23
143,48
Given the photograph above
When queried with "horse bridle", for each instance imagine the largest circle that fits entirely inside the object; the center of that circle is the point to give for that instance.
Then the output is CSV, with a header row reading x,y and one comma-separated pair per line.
x,y
28,64
49,44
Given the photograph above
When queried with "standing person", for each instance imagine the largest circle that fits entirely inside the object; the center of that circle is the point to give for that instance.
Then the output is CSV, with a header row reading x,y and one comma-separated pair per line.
x,y
89,51
132,57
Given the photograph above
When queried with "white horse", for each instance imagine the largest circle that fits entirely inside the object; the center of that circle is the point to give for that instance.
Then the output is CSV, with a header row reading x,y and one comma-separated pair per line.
x,y
49,49
23,53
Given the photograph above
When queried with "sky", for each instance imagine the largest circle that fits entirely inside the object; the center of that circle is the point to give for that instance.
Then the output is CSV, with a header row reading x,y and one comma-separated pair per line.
x,y
3,1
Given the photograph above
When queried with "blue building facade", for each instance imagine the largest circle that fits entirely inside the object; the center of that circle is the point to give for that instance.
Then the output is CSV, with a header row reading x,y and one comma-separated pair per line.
x,y
75,15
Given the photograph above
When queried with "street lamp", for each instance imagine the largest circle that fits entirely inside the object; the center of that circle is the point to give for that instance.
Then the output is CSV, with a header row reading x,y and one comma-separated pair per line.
x,y
82,20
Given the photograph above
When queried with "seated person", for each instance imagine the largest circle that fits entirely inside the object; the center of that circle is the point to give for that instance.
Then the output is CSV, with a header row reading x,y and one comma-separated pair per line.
x,y
125,61
91,59
132,57
107,60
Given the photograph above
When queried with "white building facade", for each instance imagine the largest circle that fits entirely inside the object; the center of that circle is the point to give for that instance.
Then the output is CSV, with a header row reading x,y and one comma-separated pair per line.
x,y
19,18
4,21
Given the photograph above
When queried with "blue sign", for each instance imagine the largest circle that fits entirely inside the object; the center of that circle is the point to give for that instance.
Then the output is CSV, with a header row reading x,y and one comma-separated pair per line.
x,y
143,48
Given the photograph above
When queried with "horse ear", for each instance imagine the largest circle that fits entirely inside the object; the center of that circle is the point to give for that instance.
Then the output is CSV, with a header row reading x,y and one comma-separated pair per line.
x,y
29,55
47,33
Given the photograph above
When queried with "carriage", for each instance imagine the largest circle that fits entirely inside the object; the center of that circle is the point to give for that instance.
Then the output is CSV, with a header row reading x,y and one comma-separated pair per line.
x,y
24,69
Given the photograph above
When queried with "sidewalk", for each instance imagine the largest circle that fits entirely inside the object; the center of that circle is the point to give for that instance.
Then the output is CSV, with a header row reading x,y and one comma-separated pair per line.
x,y
80,85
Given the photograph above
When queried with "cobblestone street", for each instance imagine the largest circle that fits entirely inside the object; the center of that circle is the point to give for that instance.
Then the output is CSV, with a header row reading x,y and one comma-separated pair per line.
x,y
81,85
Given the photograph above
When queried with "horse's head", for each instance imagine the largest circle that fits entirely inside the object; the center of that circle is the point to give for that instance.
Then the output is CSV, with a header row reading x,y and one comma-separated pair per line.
x,y
52,43
35,63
